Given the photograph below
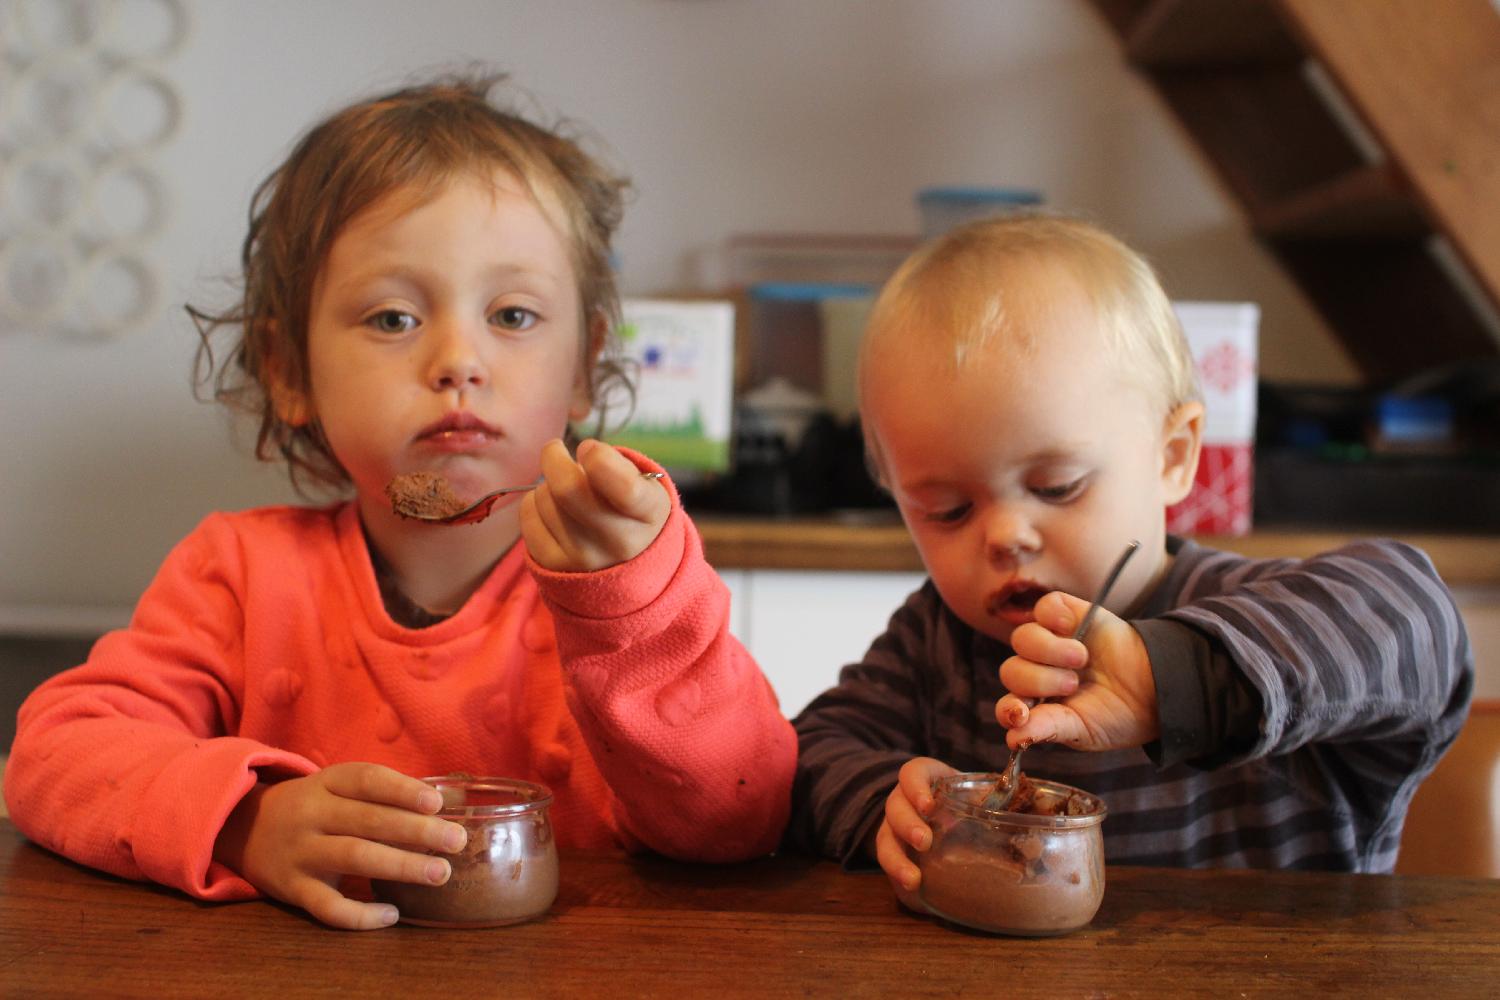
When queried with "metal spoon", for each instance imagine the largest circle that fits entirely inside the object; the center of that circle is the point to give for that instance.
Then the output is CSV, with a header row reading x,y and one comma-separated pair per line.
x,y
1005,788
471,514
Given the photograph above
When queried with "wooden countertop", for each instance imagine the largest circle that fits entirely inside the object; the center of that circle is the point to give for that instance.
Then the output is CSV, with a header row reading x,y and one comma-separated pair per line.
x,y
782,926
879,541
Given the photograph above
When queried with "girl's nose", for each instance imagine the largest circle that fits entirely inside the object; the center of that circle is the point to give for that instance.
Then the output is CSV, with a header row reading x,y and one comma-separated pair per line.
x,y
1009,535
455,362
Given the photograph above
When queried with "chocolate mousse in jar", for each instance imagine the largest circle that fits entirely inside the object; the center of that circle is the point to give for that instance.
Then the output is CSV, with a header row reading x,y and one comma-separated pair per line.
x,y
1034,870
507,871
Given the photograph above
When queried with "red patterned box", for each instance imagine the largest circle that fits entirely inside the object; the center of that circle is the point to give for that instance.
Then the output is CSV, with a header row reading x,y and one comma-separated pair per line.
x,y
1223,339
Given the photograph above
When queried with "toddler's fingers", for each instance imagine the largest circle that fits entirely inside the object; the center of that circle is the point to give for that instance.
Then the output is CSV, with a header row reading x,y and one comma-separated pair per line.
x,y
903,819
894,861
1027,678
1035,641
1012,712
370,859
1048,723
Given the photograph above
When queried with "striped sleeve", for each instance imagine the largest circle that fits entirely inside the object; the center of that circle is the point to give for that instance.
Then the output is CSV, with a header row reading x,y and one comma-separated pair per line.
x,y
1359,654
853,739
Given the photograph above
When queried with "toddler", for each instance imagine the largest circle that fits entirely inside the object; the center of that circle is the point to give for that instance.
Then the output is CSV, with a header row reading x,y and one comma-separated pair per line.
x,y
427,288
1029,401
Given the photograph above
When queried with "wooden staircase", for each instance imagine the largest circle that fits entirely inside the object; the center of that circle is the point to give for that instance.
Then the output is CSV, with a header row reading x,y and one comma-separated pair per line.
x,y
1362,139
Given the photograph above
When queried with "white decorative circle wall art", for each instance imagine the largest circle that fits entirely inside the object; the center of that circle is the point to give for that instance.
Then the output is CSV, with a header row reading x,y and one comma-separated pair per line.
x,y
85,104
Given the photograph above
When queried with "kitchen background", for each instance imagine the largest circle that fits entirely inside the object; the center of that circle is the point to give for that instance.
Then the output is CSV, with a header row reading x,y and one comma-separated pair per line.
x,y
732,117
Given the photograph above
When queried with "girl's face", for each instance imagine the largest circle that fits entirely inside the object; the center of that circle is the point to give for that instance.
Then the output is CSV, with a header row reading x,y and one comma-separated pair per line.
x,y
444,336
1025,472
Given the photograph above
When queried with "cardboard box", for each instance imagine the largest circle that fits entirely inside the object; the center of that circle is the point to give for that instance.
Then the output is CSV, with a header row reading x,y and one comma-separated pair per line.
x,y
1223,337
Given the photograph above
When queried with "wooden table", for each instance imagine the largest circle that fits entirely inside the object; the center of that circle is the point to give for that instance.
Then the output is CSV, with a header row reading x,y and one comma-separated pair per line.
x,y
784,926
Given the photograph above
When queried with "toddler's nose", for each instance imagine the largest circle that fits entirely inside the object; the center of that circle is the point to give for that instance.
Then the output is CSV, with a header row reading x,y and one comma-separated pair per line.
x,y
1009,536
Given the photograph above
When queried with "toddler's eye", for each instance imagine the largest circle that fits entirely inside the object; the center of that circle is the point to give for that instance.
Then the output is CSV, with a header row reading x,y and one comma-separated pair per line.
x,y
392,321
952,515
514,318
1060,494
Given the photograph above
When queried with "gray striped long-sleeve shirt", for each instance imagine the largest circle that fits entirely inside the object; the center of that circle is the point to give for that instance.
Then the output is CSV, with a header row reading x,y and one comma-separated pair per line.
x,y
1359,658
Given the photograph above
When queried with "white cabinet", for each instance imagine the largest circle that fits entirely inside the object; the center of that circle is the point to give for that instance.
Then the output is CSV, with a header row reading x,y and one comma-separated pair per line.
x,y
803,625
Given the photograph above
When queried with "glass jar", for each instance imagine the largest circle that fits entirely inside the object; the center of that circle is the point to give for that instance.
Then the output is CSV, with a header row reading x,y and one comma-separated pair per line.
x,y
1032,873
506,873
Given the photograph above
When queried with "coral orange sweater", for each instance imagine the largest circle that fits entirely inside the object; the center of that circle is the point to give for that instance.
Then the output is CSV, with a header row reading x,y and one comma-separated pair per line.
x,y
262,648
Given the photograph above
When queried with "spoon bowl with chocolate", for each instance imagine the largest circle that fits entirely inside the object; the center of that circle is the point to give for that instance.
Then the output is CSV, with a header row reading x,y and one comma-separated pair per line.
x,y
427,496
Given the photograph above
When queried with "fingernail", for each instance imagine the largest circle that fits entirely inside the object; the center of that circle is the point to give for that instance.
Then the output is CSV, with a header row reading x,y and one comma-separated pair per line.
x,y
921,839
909,882
437,871
430,800
388,915
455,837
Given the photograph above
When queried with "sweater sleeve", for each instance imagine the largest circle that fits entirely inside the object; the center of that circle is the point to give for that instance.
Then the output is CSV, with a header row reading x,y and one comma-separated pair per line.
x,y
679,718
127,763
853,740
1359,655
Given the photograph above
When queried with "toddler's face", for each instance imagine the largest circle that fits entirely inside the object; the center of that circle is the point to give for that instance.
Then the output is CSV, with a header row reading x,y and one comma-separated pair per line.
x,y
1022,473
445,336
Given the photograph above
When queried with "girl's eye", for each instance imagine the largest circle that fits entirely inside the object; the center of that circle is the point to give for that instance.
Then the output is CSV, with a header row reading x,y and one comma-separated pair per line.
x,y
1060,494
392,321
952,515
514,318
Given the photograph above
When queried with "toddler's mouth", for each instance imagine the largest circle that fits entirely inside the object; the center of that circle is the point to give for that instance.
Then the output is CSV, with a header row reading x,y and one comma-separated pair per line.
x,y
1014,602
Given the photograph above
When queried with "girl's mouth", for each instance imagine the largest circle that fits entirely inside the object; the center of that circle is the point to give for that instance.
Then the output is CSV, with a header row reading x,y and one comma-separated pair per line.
x,y
457,431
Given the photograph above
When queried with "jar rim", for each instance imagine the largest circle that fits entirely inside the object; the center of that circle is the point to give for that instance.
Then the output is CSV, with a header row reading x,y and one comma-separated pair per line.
x,y
521,797
963,792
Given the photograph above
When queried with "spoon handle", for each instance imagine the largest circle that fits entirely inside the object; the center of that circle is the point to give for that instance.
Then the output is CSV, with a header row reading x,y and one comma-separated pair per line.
x,y
1005,786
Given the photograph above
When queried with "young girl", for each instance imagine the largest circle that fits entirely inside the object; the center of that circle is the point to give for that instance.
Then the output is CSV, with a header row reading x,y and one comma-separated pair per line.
x,y
427,289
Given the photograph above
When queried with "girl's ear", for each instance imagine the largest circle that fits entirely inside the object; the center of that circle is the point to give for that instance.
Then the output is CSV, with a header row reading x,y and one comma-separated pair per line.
x,y
593,346
289,400
1182,440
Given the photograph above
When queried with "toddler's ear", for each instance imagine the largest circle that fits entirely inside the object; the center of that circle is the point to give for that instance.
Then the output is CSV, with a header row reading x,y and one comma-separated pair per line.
x,y
1182,440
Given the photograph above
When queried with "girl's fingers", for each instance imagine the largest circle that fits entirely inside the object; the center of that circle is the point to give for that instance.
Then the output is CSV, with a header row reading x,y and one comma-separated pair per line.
x,y
395,826
370,859
616,481
365,782
335,909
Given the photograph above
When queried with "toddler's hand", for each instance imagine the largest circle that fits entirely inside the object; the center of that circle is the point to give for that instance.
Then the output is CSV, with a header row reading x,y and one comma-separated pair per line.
x,y
1101,695
592,513
904,828
295,839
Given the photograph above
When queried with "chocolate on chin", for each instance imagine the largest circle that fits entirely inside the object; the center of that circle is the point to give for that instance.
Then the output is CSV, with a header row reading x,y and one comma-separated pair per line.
x,y
425,495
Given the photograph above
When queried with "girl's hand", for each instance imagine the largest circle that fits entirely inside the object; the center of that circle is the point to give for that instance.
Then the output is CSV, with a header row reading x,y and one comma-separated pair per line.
x,y
1102,695
294,840
904,828
592,513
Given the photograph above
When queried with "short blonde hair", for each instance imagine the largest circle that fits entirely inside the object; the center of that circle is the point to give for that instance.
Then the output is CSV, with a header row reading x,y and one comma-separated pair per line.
x,y
953,286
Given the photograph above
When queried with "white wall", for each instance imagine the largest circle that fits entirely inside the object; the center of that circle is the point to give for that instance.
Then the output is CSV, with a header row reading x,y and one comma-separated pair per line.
x,y
730,115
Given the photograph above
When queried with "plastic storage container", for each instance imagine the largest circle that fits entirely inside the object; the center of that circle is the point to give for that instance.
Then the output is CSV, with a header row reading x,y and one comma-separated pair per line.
x,y
945,208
